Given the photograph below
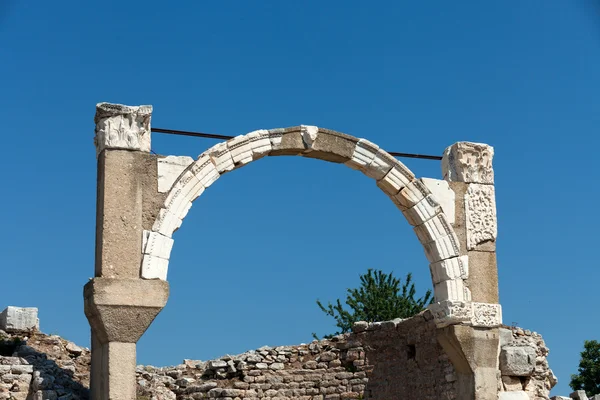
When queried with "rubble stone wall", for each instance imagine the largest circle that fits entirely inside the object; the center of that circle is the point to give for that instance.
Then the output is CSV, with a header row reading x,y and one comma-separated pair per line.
x,y
390,360
398,359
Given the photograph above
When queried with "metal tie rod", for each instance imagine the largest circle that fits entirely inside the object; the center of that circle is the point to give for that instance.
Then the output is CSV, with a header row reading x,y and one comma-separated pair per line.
x,y
225,137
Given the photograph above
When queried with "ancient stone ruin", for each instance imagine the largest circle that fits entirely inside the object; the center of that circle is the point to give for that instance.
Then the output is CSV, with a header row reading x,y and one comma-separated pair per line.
x,y
376,361
455,350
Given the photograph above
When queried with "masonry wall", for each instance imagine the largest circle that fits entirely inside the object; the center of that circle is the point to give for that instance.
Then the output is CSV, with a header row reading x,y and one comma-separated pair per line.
x,y
389,360
386,361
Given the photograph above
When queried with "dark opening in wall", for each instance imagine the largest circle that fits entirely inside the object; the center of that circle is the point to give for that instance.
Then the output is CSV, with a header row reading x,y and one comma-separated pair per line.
x,y
411,352
8,345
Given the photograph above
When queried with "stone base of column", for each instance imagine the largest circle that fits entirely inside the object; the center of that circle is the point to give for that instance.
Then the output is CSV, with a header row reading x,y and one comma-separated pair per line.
x,y
474,354
119,312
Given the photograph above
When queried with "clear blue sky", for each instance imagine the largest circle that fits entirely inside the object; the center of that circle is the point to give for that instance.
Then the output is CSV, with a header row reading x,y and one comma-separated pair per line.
x,y
266,241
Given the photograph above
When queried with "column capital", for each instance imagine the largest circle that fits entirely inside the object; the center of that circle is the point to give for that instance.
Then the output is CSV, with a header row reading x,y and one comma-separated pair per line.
x,y
468,162
122,127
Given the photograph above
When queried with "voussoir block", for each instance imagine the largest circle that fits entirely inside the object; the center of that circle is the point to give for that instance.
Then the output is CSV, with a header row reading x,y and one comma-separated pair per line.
x,y
363,155
450,268
286,141
423,211
221,157
442,248
332,146
396,179
240,148
381,164
261,144
434,228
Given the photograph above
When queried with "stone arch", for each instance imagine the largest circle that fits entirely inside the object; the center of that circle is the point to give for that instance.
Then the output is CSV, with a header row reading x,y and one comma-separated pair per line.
x,y
422,209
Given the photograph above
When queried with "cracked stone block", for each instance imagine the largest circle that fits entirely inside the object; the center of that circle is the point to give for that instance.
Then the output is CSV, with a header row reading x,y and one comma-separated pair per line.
x,y
286,141
517,360
19,319
220,157
396,179
413,193
157,245
381,164
329,145
422,211
451,268
261,144
579,395
363,155
240,148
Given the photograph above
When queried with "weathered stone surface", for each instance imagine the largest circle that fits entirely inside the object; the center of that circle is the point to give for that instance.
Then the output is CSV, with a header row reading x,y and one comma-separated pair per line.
x,y
480,212
483,276
517,361
122,127
468,162
512,383
169,169
579,395
328,145
19,319
519,395
486,315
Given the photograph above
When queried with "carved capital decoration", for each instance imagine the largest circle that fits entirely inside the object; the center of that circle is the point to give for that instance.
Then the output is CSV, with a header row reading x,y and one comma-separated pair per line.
x,y
468,162
122,127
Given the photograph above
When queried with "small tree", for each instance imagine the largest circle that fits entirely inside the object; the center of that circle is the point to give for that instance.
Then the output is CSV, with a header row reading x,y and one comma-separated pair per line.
x,y
588,378
380,297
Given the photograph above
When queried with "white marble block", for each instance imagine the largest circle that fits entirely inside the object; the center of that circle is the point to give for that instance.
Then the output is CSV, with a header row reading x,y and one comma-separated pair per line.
x,y
468,162
480,211
450,268
422,211
486,315
205,171
396,179
122,127
413,193
261,144
156,245
19,319
452,289
154,267
449,312
363,155
169,169
442,248
240,148
444,195
435,227
221,157
381,164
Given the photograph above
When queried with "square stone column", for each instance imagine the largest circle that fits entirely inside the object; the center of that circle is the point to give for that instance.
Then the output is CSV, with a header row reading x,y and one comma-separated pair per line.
x,y
119,305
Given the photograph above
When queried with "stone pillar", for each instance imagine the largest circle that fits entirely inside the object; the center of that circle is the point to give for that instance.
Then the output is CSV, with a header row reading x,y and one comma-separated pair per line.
x,y
119,305
468,169
469,331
